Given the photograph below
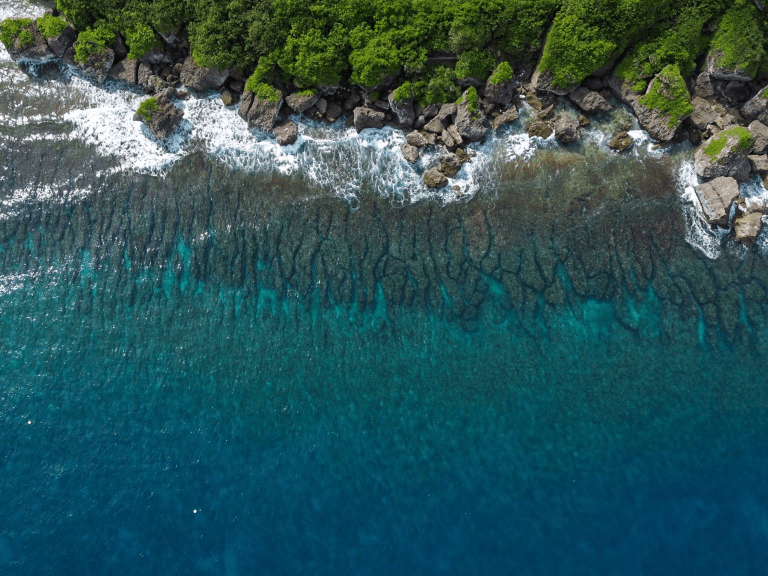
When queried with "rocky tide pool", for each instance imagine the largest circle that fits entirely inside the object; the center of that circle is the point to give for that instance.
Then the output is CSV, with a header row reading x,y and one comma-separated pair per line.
x,y
225,357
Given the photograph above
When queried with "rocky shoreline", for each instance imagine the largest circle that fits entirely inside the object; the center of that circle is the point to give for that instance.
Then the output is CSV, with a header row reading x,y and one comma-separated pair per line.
x,y
724,112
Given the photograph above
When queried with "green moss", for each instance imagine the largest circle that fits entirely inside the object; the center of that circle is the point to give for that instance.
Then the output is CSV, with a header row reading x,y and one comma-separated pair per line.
x,y
266,92
374,96
26,38
474,64
640,86
92,41
51,26
739,40
669,95
472,99
403,92
310,92
147,107
765,93
502,73
744,136
11,28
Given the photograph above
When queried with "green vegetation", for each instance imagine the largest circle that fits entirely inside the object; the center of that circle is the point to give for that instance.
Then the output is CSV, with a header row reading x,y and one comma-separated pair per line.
x,y
374,95
12,28
669,95
403,92
502,73
744,136
740,38
262,90
436,85
141,39
26,39
474,64
92,41
51,26
147,107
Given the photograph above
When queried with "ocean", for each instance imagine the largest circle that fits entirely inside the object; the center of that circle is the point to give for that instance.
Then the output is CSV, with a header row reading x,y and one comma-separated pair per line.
x,y
223,357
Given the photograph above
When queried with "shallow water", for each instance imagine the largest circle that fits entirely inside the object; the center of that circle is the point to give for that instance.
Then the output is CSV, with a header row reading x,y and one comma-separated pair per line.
x,y
231,359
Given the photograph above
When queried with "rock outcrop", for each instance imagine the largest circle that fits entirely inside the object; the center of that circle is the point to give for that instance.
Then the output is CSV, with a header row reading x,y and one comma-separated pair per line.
x,y
567,129
201,78
300,102
756,107
286,134
502,93
417,139
125,71
589,101
716,198
748,220
470,123
61,43
36,49
719,72
159,115
544,81
434,178
507,117
760,133
367,118
661,121
450,164
98,65
725,154
260,113
410,152
703,114
406,115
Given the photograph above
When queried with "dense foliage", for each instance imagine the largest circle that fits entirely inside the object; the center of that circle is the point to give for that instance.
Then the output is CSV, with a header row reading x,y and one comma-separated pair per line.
x,y
13,28
147,107
92,41
315,42
51,26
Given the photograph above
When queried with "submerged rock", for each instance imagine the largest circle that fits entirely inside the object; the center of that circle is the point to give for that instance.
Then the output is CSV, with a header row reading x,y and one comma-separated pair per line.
x,y
201,78
725,154
368,118
434,178
621,141
748,220
716,198
159,115
286,134
589,101
507,117
540,128
567,129
411,153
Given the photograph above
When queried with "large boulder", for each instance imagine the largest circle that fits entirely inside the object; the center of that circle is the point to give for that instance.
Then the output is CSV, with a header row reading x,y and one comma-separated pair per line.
x,y
202,78
507,117
759,164
450,164
760,132
260,113
364,117
434,178
158,55
125,71
417,139
159,115
665,104
703,114
567,129
469,119
703,86
300,102
435,126
718,71
540,128
748,220
725,154
29,44
500,92
756,107
98,65
544,81
589,101
59,44
716,197
410,152
406,115
286,134
621,141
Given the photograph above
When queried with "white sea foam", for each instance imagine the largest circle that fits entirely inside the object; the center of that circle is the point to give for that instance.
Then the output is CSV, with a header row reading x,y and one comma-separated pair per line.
x,y
698,233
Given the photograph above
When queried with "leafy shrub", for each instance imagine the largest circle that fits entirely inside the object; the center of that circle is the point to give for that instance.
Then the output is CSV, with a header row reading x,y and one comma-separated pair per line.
x,y
147,107
266,92
502,73
92,41
11,28
436,86
471,98
26,38
141,39
403,92
739,40
669,95
51,26
474,64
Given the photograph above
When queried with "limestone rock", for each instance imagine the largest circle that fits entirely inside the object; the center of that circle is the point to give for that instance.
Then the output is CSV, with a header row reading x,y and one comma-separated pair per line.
x,y
729,161
163,119
417,139
158,55
621,141
567,129
659,125
126,71
589,101
719,72
229,97
756,107
411,153
368,118
448,140
286,134
322,105
258,112
201,78
446,113
450,164
333,112
703,114
454,134
703,87
431,110
716,197
622,89
502,93
434,178
507,117
748,220
59,44
143,74
435,126
470,124
406,115
540,128
98,65
544,81
759,164
38,50
352,102
760,132
300,103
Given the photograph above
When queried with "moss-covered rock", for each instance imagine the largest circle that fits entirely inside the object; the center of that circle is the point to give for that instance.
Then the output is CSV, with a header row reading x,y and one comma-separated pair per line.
x,y
665,105
737,51
725,154
23,40
159,115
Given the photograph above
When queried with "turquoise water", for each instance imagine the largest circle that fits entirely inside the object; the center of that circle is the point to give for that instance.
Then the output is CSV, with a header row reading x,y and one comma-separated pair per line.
x,y
215,373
